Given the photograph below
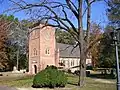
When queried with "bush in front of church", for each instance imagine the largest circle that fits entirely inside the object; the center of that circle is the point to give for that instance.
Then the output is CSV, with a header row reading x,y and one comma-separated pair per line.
x,y
50,77
51,67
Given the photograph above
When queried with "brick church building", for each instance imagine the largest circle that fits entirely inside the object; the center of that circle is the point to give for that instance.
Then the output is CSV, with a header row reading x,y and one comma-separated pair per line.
x,y
43,51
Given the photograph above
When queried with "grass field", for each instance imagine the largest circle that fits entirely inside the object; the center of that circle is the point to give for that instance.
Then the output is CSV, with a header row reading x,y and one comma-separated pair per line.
x,y
91,84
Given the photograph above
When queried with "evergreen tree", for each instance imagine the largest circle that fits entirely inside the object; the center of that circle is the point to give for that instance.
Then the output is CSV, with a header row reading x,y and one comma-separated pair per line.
x,y
64,37
107,52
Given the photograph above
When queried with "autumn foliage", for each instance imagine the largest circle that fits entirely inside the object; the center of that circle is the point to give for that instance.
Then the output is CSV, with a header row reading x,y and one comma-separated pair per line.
x,y
4,25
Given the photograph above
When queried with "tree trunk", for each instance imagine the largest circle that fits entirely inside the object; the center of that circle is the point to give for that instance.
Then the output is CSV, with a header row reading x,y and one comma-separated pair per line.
x,y
81,45
82,68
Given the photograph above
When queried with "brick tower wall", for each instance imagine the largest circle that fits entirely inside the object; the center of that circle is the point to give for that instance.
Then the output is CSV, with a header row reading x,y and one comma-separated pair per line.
x,y
47,46
42,47
34,50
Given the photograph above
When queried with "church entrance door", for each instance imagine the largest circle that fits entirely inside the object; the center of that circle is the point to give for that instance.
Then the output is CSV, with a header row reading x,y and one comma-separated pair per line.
x,y
35,69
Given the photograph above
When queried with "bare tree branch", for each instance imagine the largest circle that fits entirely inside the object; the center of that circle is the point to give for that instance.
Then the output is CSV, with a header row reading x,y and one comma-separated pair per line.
x,y
52,17
72,9
74,47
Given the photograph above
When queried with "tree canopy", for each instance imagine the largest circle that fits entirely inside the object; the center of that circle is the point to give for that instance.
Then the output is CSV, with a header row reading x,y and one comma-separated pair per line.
x,y
64,37
15,37
113,12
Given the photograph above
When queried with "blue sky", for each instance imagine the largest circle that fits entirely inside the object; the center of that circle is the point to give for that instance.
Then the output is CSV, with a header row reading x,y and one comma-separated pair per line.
x,y
98,12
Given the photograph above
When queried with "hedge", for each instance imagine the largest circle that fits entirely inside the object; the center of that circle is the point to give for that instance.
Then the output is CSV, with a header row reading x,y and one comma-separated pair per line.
x,y
50,77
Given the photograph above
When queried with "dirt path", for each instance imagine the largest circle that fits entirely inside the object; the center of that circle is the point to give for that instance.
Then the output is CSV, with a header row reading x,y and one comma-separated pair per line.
x,y
104,81
7,88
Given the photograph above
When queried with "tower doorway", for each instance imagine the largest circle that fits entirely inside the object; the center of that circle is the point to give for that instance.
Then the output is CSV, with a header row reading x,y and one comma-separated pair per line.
x,y
35,69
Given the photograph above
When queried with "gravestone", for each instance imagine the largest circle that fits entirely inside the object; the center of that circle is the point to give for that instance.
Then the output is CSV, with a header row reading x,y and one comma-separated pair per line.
x,y
15,70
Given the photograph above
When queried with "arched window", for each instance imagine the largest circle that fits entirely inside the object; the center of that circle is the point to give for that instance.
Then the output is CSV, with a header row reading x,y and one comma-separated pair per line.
x,y
73,62
35,51
47,51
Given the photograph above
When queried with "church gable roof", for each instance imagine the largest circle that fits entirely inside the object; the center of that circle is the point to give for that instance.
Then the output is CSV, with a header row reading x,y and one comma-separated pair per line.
x,y
65,50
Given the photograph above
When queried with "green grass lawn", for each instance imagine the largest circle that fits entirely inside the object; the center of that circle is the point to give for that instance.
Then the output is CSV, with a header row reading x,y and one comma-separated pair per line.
x,y
25,81
91,84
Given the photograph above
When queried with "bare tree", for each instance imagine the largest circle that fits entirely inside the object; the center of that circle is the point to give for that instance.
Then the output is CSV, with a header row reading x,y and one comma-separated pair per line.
x,y
62,15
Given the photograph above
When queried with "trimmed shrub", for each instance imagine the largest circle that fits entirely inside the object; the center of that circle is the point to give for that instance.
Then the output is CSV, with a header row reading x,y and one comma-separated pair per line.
x,y
87,73
52,67
89,68
50,77
77,72
69,71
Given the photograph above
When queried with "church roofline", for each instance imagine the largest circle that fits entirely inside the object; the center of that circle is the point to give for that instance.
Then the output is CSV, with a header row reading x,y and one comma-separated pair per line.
x,y
37,24
65,51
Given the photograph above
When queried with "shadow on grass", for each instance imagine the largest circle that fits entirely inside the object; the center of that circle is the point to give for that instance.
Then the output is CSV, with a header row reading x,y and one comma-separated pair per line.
x,y
102,76
72,83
